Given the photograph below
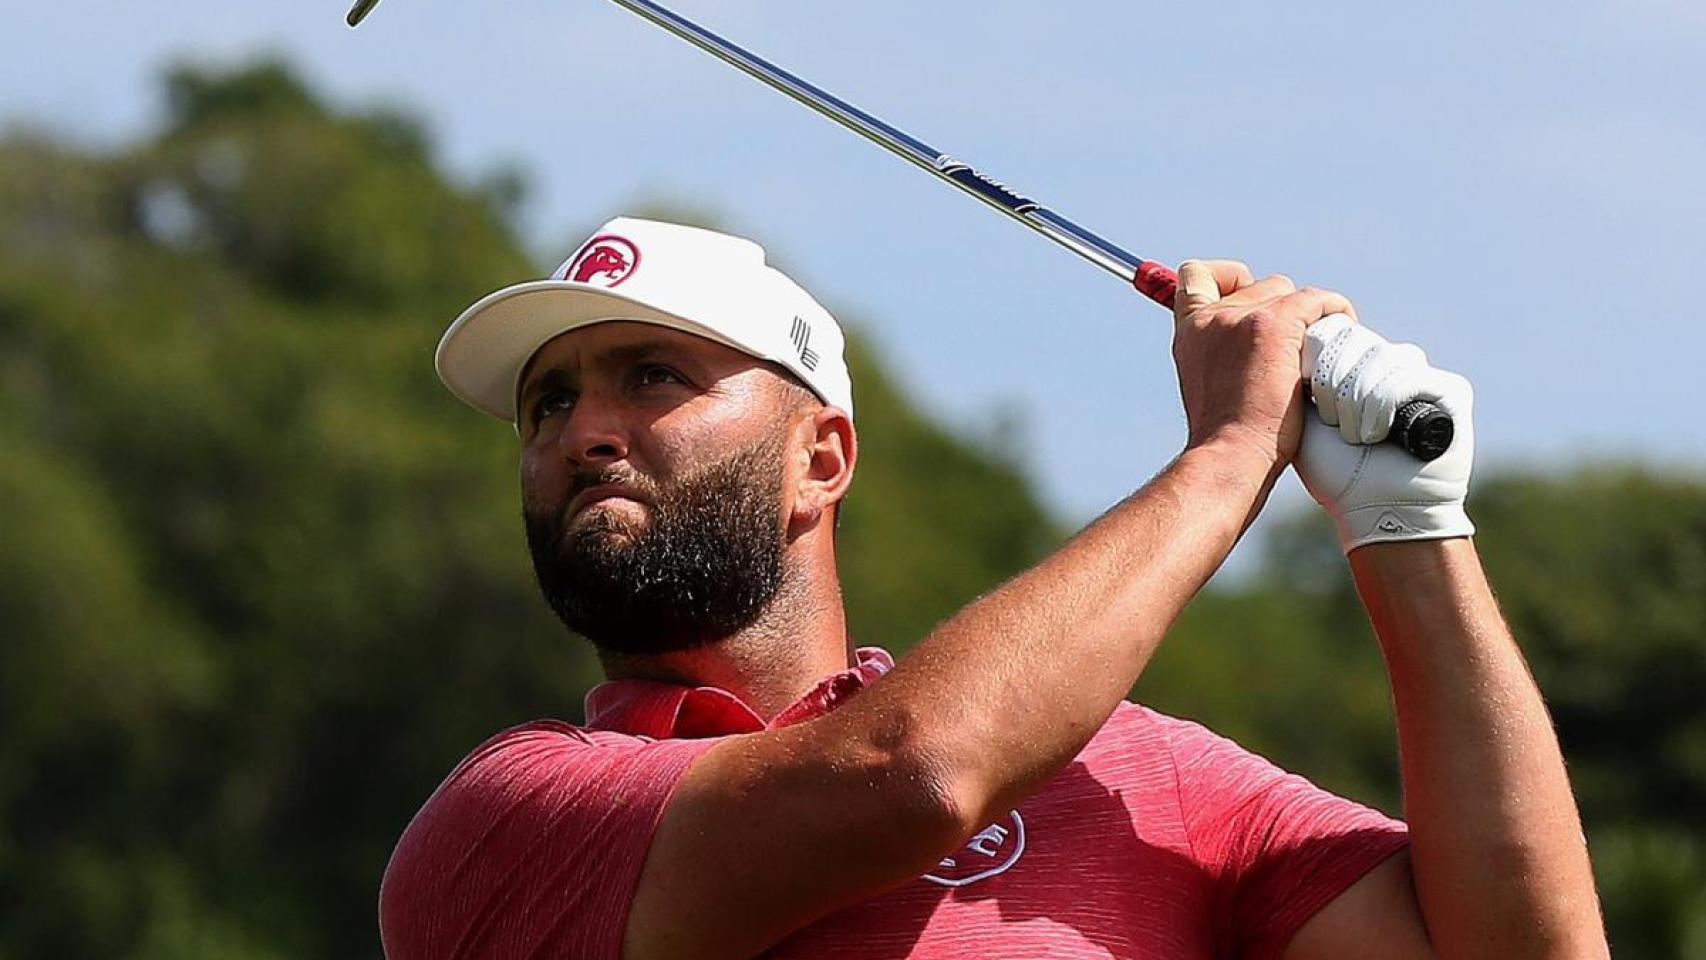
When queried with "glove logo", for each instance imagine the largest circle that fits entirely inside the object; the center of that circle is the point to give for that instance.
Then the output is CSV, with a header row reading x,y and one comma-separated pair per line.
x,y
605,261
993,851
1391,524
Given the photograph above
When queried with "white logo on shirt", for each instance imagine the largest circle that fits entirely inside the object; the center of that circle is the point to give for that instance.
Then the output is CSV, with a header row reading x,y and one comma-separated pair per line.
x,y
993,851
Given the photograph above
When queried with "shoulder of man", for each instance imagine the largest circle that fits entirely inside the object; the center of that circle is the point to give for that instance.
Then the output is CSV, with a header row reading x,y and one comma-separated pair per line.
x,y
534,842
1274,846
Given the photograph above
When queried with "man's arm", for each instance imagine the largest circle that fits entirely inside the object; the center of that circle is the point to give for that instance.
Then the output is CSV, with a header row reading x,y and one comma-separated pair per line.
x,y
770,831
1498,866
1498,861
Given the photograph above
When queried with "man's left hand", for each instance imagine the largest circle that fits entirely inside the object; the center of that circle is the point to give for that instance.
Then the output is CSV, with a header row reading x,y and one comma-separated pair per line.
x,y
1375,491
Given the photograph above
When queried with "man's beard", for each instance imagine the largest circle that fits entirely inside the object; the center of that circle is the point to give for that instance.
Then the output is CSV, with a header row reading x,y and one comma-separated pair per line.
x,y
706,566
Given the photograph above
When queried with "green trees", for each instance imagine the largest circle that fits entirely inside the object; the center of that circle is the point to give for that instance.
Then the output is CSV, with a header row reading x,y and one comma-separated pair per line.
x,y
1603,574
262,580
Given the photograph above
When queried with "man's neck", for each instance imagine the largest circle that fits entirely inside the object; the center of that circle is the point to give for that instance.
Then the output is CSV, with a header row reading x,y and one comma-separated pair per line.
x,y
799,639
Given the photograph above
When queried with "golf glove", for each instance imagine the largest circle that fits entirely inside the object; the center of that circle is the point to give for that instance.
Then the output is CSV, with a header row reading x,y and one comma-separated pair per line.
x,y
1376,491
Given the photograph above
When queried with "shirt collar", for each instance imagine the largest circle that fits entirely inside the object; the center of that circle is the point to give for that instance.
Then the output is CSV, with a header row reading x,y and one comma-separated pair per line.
x,y
650,708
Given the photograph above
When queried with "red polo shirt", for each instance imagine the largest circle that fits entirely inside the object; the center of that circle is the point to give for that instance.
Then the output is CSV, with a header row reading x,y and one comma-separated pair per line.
x,y
1161,840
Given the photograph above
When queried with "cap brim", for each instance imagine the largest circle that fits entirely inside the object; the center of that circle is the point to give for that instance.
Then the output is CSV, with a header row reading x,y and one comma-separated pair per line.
x,y
483,353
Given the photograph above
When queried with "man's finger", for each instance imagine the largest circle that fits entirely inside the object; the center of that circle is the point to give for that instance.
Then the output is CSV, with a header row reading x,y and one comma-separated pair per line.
x,y
1202,282
1260,291
1312,303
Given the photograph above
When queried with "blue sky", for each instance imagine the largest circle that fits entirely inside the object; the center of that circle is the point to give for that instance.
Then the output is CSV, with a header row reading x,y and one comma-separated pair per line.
x,y
1514,186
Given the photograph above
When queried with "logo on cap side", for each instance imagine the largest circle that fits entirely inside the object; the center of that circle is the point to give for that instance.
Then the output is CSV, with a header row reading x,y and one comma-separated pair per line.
x,y
801,334
605,261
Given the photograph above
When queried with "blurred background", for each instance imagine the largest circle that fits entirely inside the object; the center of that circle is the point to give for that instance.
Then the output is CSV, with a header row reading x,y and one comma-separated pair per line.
x,y
262,581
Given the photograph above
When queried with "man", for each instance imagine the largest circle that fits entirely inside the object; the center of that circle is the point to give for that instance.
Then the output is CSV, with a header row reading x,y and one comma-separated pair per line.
x,y
748,782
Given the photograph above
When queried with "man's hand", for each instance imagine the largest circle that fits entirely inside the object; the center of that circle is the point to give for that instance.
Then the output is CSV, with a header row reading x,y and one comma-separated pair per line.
x,y
913,766
1238,343
1374,491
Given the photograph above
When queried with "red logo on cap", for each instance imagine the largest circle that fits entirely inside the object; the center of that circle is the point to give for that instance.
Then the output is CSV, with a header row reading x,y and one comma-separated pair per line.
x,y
605,261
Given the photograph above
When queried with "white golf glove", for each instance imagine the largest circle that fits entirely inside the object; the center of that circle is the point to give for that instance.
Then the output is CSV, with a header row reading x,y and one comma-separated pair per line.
x,y
1376,491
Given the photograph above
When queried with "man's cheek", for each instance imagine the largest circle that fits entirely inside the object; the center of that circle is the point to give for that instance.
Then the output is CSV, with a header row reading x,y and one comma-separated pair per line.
x,y
542,487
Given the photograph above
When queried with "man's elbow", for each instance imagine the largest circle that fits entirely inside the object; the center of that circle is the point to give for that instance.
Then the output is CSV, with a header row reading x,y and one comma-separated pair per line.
x,y
935,802
899,790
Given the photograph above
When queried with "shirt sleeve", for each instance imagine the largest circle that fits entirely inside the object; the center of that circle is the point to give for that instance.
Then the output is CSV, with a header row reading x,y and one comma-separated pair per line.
x,y
532,847
1276,847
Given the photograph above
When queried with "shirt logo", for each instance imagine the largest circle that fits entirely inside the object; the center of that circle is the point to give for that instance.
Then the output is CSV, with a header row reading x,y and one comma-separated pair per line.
x,y
605,261
993,851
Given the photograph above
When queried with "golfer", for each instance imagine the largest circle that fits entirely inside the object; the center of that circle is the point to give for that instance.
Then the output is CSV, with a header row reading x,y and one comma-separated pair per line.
x,y
750,781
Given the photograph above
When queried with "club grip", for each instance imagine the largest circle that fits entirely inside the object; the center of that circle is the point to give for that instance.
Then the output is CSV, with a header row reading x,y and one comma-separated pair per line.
x,y
1423,428
1420,427
1157,281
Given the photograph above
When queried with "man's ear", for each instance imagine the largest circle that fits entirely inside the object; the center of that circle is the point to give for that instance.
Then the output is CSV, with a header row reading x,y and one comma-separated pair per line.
x,y
830,448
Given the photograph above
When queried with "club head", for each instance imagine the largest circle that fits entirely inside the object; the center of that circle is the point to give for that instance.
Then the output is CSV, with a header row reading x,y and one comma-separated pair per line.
x,y
360,11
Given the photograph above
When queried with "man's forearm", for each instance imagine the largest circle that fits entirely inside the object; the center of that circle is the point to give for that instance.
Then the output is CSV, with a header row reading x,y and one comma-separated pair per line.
x,y
1054,650
1499,860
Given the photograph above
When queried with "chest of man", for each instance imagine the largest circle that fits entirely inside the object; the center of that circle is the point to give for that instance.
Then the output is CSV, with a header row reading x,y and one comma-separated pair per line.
x,y
1079,870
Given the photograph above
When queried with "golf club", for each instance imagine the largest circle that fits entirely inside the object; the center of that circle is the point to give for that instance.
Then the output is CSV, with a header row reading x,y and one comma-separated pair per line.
x,y
1419,426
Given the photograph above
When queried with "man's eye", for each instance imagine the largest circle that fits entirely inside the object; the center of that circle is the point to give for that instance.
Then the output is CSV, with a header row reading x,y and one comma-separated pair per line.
x,y
552,401
653,374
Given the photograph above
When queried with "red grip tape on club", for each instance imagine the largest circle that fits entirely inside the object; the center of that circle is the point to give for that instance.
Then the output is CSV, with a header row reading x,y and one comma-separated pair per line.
x,y
1423,428
1157,281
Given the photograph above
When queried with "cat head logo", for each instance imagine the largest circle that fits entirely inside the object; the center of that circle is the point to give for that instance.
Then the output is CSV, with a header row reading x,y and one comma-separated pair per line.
x,y
993,851
605,261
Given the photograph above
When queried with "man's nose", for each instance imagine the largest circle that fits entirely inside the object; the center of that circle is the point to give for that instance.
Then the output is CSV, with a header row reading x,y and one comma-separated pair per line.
x,y
595,432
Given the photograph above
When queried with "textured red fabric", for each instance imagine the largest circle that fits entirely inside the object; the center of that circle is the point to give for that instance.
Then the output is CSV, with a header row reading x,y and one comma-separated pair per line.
x,y
532,847
1161,840
1157,281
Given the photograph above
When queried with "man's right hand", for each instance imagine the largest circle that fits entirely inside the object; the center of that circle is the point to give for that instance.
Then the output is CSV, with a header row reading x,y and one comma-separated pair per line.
x,y
1238,347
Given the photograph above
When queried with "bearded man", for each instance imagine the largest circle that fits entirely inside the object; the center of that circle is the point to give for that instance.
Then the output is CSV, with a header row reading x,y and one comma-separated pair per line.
x,y
749,782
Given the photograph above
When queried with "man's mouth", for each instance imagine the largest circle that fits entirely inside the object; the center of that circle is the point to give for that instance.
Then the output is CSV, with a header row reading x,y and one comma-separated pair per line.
x,y
599,494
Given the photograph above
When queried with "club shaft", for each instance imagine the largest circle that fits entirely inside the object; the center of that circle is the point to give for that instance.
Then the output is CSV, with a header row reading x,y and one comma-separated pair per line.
x,y
1423,428
1086,244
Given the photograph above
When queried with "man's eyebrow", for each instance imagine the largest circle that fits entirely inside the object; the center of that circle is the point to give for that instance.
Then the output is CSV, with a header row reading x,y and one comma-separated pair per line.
x,y
551,379
620,355
633,352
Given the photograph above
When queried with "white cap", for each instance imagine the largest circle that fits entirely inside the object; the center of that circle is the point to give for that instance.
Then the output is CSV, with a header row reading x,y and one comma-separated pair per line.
x,y
698,281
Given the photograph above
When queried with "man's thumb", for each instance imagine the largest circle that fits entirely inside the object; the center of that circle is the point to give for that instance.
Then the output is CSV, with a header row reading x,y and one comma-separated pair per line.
x,y
1198,287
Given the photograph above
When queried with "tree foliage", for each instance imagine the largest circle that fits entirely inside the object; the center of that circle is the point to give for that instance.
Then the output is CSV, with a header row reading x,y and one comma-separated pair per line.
x,y
262,581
